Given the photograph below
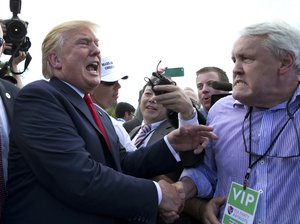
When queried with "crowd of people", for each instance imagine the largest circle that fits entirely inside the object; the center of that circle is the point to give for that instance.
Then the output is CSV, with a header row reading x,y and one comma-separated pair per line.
x,y
174,159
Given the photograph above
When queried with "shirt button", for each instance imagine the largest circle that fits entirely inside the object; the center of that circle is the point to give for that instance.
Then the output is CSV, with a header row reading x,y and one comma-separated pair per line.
x,y
262,162
261,191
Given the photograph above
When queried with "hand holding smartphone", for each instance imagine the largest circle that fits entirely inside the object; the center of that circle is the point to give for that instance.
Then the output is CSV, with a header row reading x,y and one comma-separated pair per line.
x,y
174,72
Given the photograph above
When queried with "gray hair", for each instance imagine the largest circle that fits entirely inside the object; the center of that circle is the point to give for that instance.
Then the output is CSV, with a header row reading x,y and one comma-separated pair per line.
x,y
280,38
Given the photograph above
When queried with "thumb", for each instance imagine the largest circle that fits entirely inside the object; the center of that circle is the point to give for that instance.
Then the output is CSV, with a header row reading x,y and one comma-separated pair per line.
x,y
220,200
181,193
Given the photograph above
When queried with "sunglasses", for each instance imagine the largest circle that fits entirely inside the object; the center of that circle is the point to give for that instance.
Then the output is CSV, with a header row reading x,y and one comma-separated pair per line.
x,y
2,41
108,83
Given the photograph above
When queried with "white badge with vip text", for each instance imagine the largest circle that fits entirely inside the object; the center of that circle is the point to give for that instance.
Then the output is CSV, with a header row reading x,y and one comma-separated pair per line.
x,y
241,205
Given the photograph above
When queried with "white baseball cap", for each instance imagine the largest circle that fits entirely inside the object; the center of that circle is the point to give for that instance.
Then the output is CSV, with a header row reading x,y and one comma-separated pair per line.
x,y
109,73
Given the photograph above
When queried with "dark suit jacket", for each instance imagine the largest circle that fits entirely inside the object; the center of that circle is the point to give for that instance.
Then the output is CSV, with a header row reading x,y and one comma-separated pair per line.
x,y
163,129
60,170
8,93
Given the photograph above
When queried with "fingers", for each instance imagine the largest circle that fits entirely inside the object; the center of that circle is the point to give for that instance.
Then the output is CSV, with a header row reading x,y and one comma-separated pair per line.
x,y
21,57
169,217
171,199
191,138
180,190
201,146
200,131
199,149
212,209
172,203
219,201
203,131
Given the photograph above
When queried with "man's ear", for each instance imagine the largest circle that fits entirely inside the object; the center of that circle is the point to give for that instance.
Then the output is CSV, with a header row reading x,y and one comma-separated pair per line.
x,y
55,61
287,63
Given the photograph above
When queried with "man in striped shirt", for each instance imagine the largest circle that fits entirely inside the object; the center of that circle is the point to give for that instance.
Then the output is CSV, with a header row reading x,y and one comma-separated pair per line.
x,y
258,129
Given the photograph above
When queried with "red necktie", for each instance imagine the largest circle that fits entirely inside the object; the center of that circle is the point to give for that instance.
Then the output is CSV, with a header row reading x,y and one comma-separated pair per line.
x,y
90,104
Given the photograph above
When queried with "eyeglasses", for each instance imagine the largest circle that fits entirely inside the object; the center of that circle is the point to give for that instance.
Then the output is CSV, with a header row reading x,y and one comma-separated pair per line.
x,y
269,152
2,41
108,83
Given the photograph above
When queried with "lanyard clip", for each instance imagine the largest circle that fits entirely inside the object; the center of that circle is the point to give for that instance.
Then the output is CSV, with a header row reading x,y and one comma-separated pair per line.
x,y
245,184
246,178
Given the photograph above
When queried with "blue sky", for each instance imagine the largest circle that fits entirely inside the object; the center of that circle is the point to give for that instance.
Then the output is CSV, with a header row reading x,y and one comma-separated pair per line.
x,y
136,34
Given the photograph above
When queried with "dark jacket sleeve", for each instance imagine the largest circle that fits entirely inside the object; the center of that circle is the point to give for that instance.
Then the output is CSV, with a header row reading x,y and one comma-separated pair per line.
x,y
57,158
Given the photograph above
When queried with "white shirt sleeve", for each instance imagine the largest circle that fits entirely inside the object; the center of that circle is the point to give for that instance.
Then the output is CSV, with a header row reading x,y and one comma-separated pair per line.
x,y
159,192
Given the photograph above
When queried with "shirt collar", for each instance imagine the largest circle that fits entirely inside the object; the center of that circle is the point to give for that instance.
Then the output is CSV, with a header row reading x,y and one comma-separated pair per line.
x,y
76,89
154,125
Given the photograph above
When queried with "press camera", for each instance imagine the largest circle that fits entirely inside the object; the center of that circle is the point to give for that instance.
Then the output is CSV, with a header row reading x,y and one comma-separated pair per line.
x,y
16,31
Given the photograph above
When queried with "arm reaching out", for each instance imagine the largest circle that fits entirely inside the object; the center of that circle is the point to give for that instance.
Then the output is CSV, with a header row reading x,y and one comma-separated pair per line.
x,y
191,138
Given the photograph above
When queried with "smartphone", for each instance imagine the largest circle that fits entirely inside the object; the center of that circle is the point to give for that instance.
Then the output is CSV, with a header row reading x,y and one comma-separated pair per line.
x,y
174,72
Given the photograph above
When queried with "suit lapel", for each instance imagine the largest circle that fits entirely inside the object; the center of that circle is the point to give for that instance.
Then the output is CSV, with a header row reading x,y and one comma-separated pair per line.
x,y
74,98
7,101
134,131
163,129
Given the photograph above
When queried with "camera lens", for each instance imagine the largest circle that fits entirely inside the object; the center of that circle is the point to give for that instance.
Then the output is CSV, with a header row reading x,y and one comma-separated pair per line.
x,y
16,30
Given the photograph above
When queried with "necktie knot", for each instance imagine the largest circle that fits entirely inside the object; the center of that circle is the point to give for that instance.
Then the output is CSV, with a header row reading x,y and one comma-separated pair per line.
x,y
88,99
145,129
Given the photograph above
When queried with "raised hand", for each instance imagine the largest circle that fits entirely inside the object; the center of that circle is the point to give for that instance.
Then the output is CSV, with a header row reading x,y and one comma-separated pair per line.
x,y
175,99
191,138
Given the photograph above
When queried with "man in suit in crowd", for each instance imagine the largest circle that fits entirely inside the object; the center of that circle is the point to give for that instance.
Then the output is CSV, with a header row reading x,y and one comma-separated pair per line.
x,y
155,115
163,121
62,168
8,91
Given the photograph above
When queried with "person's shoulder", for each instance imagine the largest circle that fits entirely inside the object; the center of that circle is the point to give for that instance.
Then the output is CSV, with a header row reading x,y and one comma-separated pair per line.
x,y
8,87
45,89
226,100
224,104
114,121
8,84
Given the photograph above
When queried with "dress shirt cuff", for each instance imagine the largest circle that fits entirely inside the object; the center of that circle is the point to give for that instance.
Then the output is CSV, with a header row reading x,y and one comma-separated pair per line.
x,y
159,193
192,121
174,153
204,187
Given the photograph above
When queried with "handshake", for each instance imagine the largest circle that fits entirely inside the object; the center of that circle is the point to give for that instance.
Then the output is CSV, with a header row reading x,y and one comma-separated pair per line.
x,y
173,199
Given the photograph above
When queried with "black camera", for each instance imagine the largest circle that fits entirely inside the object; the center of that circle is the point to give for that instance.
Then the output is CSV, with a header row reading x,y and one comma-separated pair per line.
x,y
161,80
16,31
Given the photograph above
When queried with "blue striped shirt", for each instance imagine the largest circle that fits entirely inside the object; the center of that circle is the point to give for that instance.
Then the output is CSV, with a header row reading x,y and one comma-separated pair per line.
x,y
277,179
